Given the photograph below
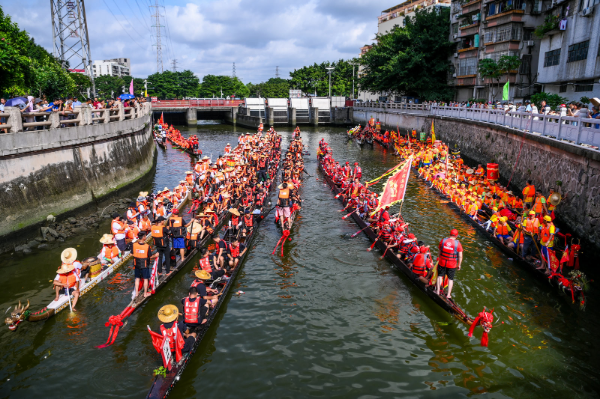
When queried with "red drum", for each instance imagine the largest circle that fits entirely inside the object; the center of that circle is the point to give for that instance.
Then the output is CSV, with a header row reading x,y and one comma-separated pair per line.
x,y
492,171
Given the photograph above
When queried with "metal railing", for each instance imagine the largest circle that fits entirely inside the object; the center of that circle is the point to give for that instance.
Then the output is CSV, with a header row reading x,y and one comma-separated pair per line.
x,y
216,102
574,130
13,120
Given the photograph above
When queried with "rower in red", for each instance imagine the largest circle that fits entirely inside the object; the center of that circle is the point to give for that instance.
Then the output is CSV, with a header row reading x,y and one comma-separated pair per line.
x,y
450,258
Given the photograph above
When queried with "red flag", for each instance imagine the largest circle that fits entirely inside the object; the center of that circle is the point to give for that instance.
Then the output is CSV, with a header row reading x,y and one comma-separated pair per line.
x,y
565,256
395,187
553,260
157,340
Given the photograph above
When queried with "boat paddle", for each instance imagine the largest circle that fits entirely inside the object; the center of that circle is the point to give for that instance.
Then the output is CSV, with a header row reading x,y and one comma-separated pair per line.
x,y
360,231
346,217
374,242
69,296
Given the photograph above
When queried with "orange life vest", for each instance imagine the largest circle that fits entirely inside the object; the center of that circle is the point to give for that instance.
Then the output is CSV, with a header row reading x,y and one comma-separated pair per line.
x,y
69,279
141,255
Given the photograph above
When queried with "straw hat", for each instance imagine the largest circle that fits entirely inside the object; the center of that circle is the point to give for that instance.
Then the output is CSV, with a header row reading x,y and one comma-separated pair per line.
x,y
69,255
234,211
166,189
189,173
201,215
205,158
195,229
168,313
65,268
143,193
182,181
203,275
226,195
209,211
107,239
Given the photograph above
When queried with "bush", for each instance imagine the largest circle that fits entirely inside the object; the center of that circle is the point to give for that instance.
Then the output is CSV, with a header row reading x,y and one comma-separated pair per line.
x,y
585,100
477,100
553,100
550,23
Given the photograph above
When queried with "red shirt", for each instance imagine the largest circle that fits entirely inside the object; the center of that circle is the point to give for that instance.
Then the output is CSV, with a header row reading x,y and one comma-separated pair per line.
x,y
450,248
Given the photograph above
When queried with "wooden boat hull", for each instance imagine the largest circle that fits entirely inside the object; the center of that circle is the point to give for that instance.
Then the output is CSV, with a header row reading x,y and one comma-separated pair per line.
x,y
398,264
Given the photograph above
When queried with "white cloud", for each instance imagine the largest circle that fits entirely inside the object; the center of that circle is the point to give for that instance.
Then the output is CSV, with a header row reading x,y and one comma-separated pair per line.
x,y
208,36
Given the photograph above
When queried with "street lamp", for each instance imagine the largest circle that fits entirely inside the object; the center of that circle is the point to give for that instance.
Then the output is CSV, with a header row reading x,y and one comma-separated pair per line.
x,y
329,69
353,65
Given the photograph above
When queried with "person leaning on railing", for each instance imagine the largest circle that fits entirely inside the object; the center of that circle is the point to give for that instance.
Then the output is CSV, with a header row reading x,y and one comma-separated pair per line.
x,y
3,119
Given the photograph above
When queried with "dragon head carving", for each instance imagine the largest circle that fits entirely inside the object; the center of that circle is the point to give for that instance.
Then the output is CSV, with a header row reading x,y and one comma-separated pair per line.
x,y
19,314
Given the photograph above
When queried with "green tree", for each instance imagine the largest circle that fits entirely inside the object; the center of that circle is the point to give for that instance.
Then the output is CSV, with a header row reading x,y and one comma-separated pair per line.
x,y
169,85
553,100
411,60
213,85
489,69
315,78
272,88
109,86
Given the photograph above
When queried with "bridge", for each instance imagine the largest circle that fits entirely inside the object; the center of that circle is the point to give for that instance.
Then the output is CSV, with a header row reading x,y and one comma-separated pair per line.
x,y
253,111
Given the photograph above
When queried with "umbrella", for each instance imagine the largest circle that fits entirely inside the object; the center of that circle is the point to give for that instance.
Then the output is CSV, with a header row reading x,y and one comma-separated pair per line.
x,y
595,101
126,96
14,102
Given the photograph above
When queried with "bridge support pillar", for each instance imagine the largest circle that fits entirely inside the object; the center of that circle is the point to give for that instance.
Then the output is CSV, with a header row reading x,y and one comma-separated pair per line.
x,y
191,116
292,116
315,115
270,116
233,117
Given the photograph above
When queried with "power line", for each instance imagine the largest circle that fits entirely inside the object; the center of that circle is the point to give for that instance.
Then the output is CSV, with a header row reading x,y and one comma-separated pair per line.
x,y
170,48
141,21
159,61
126,31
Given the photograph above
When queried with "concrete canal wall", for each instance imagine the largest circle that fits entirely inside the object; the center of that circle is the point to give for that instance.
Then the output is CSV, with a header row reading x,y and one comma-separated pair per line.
x,y
56,171
572,169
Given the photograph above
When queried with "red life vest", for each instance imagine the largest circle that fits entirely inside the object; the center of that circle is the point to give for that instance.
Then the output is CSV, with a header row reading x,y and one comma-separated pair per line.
x,y
419,265
234,251
235,221
248,220
196,283
449,253
191,310
357,171
205,264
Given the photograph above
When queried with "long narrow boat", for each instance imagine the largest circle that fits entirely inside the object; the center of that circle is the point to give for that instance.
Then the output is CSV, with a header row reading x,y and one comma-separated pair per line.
x,y
448,305
114,322
160,141
555,280
55,307
163,384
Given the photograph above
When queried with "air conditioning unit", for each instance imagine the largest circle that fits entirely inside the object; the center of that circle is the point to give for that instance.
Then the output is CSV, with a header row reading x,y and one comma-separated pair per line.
x,y
529,43
454,75
588,11
553,3
455,36
455,55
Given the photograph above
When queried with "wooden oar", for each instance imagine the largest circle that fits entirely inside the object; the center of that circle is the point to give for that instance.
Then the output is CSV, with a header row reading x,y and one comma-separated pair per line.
x,y
359,231
345,217
374,242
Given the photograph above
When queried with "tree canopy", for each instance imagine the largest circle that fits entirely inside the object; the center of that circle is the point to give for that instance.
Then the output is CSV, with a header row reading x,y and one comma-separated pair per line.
x,y
27,68
412,60
170,84
212,85
315,78
272,88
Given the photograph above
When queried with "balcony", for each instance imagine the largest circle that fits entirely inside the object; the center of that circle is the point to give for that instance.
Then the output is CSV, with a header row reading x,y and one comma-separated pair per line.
x,y
466,81
504,18
471,6
469,30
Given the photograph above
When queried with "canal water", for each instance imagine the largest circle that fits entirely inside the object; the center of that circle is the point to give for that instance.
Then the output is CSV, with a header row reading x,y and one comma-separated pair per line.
x,y
328,319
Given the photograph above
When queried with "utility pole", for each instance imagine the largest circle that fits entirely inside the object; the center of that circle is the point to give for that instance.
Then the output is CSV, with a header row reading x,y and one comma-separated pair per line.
x,y
145,87
277,72
233,71
156,16
329,69
353,65
71,41
174,65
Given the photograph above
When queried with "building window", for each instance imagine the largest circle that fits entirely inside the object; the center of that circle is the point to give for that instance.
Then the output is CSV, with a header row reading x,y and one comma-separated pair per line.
x,y
528,34
454,28
578,51
552,58
562,88
584,85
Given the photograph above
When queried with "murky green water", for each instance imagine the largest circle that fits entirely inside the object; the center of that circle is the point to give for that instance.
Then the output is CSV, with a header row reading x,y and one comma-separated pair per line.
x,y
329,319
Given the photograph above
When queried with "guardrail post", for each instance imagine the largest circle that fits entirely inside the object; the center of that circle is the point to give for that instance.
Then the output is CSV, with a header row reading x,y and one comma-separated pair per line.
x,y
14,119
121,111
544,125
580,127
559,127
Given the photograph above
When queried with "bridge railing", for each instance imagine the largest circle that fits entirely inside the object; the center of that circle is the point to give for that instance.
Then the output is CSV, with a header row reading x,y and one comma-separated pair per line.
x,y
15,121
395,106
216,102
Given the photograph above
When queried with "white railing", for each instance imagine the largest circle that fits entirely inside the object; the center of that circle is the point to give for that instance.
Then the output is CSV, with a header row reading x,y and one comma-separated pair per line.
x,y
574,130
14,121
395,106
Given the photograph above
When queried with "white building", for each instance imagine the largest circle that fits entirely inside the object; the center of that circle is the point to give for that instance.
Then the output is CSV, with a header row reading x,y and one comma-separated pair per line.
x,y
569,60
114,67
396,15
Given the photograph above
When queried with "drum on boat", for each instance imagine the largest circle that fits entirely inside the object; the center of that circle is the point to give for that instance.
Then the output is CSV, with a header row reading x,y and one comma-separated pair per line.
x,y
492,171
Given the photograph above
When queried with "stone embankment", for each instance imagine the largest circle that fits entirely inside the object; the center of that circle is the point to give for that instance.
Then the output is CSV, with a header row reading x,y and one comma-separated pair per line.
x,y
60,171
52,233
571,169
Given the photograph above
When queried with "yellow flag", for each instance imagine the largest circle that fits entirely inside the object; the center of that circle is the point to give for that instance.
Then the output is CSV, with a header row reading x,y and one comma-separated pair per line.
x,y
432,133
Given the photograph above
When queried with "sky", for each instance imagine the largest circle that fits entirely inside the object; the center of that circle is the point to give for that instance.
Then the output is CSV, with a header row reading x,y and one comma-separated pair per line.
x,y
207,37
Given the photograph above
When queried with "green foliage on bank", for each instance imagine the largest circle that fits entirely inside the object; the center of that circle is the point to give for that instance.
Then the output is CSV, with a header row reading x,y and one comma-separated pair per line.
x,y
213,85
553,100
28,69
315,78
412,60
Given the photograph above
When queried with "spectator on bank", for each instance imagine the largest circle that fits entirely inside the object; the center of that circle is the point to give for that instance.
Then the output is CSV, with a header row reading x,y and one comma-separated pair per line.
x,y
26,110
595,115
76,103
3,119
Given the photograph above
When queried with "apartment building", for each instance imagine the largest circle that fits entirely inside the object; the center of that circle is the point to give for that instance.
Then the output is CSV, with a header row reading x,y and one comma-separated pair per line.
x,y
490,29
396,15
113,67
569,58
